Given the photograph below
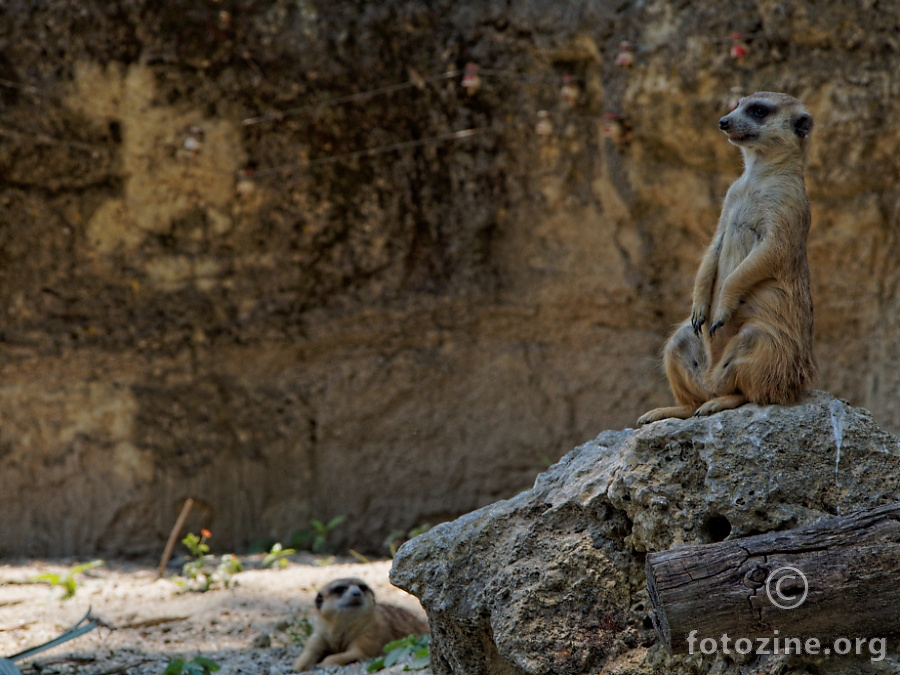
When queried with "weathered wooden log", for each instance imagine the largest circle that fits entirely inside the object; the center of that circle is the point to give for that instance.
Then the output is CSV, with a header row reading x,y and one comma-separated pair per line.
x,y
835,580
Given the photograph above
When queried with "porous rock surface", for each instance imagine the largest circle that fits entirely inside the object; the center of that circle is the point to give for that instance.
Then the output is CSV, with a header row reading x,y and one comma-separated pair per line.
x,y
552,581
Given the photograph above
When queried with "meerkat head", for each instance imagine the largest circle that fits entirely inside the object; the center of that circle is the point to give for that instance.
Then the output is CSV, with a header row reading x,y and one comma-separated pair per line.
x,y
345,595
767,125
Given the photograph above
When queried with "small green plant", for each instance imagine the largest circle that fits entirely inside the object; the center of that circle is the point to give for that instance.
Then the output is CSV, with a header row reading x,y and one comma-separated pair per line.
x,y
321,532
199,665
316,538
421,529
197,545
397,537
277,556
67,580
299,631
413,649
196,571
228,566
261,545
394,540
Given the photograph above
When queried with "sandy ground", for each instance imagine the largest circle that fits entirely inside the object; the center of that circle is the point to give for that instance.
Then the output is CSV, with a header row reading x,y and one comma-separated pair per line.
x,y
250,627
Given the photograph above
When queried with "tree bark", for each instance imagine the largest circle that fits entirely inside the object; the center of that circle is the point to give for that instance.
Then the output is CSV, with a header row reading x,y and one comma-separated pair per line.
x,y
842,583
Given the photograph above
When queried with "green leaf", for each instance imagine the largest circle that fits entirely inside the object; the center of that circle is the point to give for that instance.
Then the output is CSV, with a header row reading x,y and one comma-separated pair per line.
x,y
421,529
208,665
415,648
334,522
277,556
52,579
195,545
419,662
175,667
396,644
84,567
393,657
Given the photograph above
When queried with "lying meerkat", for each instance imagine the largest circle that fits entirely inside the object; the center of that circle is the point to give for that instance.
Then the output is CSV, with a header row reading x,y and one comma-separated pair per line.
x,y
749,338
349,625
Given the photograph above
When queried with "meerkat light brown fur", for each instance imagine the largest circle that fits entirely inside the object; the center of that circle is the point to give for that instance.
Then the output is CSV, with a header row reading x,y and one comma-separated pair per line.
x,y
349,625
749,338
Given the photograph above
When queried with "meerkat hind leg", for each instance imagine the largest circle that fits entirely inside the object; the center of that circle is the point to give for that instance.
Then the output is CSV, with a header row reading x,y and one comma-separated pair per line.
x,y
752,368
685,360
721,403
741,352
681,412
343,658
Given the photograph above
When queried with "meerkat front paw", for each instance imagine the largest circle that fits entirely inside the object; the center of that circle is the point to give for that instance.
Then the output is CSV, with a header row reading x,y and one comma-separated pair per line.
x,y
719,320
300,667
698,317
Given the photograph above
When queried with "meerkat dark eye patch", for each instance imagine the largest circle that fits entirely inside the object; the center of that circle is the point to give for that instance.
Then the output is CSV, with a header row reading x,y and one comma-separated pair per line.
x,y
802,124
758,111
364,588
319,600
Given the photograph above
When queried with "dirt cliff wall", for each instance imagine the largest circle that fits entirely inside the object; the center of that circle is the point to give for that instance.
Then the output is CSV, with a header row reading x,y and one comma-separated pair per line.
x,y
252,315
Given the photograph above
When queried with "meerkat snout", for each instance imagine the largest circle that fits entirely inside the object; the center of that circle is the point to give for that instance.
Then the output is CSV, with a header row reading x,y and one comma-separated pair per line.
x,y
353,597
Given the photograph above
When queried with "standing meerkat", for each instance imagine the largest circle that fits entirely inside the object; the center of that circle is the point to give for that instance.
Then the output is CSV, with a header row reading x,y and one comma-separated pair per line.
x,y
749,338
349,625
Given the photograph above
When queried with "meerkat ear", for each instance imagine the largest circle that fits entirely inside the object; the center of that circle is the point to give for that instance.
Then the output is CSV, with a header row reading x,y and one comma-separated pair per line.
x,y
319,600
802,124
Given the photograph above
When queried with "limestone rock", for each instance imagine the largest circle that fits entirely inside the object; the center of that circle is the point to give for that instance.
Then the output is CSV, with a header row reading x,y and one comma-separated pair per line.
x,y
552,582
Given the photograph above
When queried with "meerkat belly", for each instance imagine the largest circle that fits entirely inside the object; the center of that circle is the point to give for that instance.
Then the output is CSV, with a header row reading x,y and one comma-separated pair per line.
x,y
766,302
739,241
741,237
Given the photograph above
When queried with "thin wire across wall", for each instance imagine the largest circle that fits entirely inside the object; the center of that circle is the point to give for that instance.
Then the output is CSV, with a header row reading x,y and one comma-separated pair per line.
x,y
275,117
